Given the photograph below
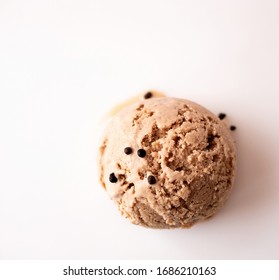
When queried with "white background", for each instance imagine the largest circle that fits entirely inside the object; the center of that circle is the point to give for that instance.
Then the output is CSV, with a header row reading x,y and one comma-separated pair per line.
x,y
63,64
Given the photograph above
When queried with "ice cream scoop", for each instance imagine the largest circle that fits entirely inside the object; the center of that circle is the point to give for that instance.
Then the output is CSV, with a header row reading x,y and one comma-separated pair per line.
x,y
167,162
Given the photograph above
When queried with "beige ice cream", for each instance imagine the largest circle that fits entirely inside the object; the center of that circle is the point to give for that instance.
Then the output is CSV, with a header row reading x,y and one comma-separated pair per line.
x,y
167,162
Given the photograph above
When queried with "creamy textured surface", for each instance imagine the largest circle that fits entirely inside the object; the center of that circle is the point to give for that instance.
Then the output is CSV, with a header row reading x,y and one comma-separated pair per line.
x,y
189,151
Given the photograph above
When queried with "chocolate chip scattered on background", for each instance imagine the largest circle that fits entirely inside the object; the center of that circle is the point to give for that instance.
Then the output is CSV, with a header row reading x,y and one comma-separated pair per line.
x,y
221,116
128,150
232,127
141,153
147,95
112,178
151,180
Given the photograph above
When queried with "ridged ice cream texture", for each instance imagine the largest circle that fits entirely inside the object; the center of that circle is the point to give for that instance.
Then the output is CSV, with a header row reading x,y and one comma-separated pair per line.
x,y
189,151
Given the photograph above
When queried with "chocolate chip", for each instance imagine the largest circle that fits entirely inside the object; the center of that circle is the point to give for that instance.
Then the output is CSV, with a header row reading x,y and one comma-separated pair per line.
x,y
128,150
232,127
141,153
147,95
151,180
221,116
112,178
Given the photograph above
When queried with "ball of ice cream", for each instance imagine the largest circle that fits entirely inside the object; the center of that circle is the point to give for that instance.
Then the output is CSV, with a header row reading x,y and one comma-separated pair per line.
x,y
167,162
